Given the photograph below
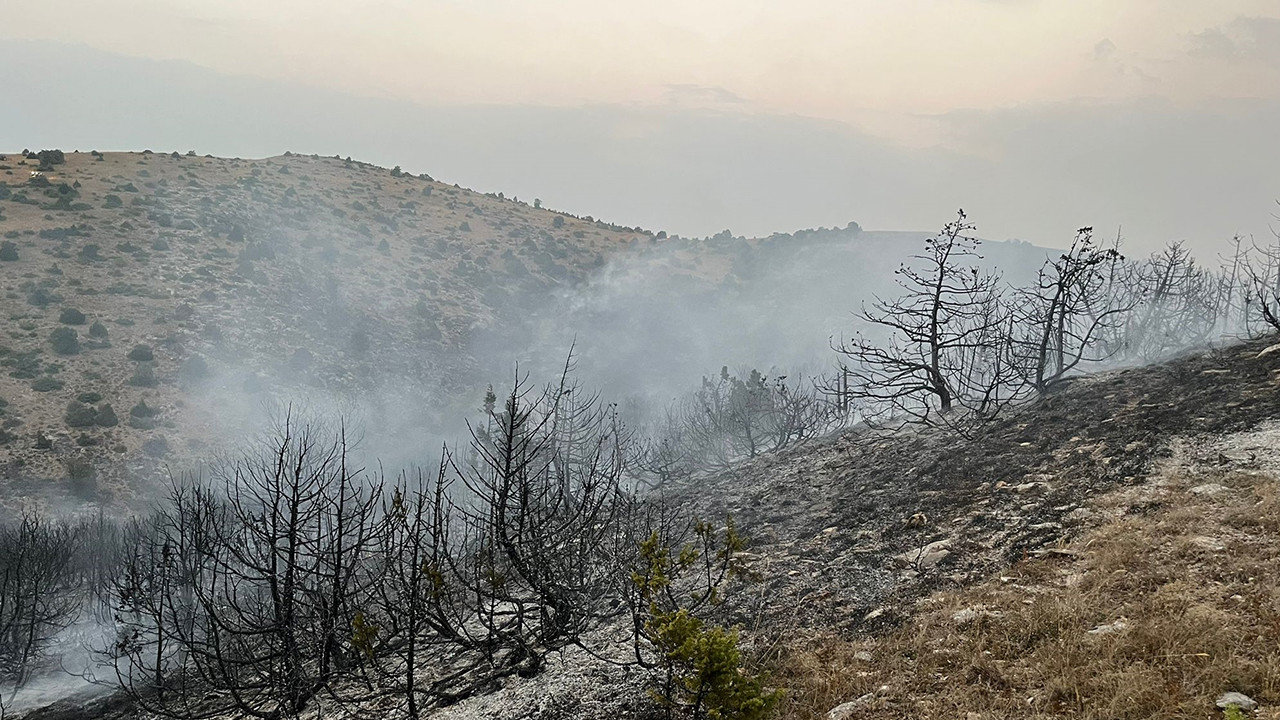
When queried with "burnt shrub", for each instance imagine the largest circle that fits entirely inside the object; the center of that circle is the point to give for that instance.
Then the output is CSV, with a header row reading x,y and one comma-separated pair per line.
x,y
156,447
195,369
43,297
82,478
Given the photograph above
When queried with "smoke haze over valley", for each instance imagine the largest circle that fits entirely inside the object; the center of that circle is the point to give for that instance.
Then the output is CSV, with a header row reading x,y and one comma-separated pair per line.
x,y
568,360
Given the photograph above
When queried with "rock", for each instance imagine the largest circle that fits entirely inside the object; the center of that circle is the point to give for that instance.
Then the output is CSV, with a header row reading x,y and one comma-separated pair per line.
x,y
927,557
968,615
863,656
1211,544
1110,627
874,614
1240,700
1209,489
1078,515
844,711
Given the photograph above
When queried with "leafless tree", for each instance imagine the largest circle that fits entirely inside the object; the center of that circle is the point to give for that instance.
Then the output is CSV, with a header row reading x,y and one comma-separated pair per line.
x,y
944,349
1262,292
40,594
1058,322
1178,306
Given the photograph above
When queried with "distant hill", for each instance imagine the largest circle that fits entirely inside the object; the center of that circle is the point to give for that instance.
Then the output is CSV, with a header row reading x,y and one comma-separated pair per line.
x,y
156,304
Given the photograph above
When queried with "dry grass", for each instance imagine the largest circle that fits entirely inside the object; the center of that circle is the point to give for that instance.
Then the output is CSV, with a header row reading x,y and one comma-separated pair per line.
x,y
1183,603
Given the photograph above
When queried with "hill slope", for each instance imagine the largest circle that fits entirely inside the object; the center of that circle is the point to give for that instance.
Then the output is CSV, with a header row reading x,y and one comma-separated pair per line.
x,y
360,290
302,271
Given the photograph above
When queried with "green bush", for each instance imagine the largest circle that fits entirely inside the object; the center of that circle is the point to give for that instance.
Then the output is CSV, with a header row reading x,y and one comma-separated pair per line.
x,y
98,331
106,416
142,410
82,478
46,384
71,316
144,376
8,251
700,672
141,353
89,397
112,201
65,341
80,415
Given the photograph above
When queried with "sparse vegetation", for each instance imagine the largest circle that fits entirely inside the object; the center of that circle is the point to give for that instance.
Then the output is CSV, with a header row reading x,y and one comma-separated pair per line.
x,y
65,341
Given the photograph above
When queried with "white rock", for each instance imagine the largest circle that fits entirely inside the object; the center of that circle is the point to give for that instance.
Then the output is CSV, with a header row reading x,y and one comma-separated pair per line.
x,y
1211,544
863,656
1110,627
1240,700
1209,489
844,711
1269,349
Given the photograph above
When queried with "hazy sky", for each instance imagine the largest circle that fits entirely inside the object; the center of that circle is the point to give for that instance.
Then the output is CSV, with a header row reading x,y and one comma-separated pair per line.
x,y
872,62
951,76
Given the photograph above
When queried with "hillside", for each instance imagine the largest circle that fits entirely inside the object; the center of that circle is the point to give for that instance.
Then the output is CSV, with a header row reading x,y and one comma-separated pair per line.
x,y
294,271
157,306
1107,551
918,574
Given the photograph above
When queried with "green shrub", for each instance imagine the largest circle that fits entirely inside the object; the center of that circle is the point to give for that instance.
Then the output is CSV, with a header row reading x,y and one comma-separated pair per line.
x,y
142,410
144,376
106,416
46,384
98,331
65,341
141,353
71,316
699,666
8,251
89,397
82,478
112,201
80,415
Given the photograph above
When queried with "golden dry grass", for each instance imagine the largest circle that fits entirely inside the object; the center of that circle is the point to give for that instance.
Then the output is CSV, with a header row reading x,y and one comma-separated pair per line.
x,y
1153,617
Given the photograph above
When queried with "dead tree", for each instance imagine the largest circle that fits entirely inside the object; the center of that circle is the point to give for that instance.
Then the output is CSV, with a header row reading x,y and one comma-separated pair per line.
x,y
1262,292
544,528
1178,305
40,594
1058,322
943,349
256,581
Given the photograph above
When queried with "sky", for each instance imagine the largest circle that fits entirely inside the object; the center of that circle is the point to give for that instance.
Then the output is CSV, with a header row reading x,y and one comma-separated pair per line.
x,y
961,102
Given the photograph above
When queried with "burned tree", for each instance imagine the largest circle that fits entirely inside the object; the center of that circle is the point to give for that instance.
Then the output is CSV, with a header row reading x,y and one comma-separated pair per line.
x,y
944,349
253,585
1058,322
40,594
1177,305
